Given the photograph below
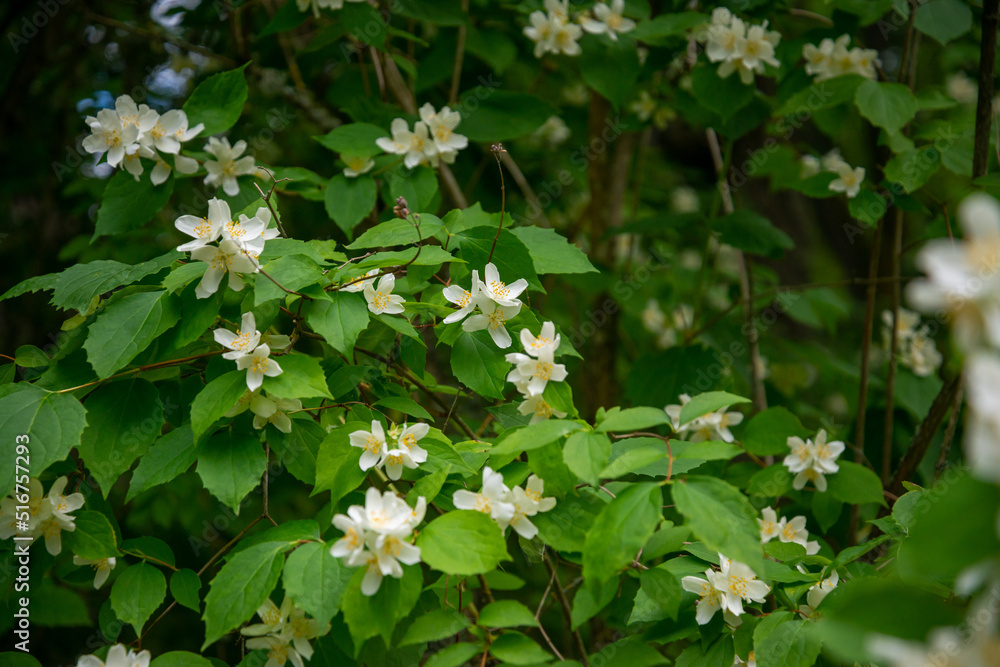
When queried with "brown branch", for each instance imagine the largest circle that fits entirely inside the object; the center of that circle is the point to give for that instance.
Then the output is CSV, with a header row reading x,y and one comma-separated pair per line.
x,y
456,73
984,103
949,435
925,434
141,369
566,609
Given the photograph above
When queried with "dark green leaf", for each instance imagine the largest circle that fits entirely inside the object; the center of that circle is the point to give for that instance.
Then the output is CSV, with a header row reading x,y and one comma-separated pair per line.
x,y
217,101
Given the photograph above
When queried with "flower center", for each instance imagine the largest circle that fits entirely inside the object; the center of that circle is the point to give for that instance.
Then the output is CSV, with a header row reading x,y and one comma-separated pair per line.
x,y
543,370
464,300
204,230
51,528
235,229
395,459
534,495
241,341
221,261
408,441
442,133
259,364
614,21
823,451
482,504
272,616
380,300
541,342
353,539
373,444
497,319
738,585
789,532
542,409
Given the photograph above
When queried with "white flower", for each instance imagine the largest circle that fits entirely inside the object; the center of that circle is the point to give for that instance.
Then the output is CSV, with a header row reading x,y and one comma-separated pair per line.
x,y
204,230
770,527
360,285
500,292
382,300
302,629
169,131
241,343
736,583
59,519
961,88
644,107
257,364
161,171
810,166
228,165
279,650
118,656
546,343
351,546
357,165
914,346
373,442
490,499
817,592
710,426
825,453
565,37
746,50
246,232
801,456
416,146
441,126
222,259
795,531
552,32
110,135
39,510
102,568
463,298
982,433
553,131
493,318
539,409
407,452
609,20
273,619
527,503
709,600
848,180
812,460
274,411
751,661
962,277
537,372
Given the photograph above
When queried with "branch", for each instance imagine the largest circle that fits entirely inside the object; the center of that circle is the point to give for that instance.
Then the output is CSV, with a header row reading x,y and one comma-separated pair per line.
x,y
984,104
567,614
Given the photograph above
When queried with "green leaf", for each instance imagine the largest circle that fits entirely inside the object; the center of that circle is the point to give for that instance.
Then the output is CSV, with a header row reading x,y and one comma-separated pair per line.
x,y
663,30
218,397
479,364
33,284
610,67
791,644
316,581
816,96
855,484
517,649
339,320
185,586
658,379
77,286
94,537
397,232
128,204
136,594
511,257
505,614
552,253
286,18
125,419
217,101
721,96
170,455
338,467
370,615
914,168
659,595
454,655
434,626
767,432
770,482
349,200
298,449
633,652
703,404
17,658
534,436
405,405
53,424
230,466
586,453
753,233
181,659
301,377
620,530
633,419
429,486
491,115
462,542
888,105
54,606
721,517
126,328
149,548
241,586
943,20
635,454
353,139
293,272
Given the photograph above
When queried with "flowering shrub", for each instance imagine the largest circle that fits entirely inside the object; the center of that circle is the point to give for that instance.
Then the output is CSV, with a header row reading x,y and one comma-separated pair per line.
x,y
301,392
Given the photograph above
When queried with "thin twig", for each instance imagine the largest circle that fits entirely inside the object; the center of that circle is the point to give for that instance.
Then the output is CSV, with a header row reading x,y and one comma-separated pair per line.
x,y
566,609
158,36
498,150
141,369
456,72
949,434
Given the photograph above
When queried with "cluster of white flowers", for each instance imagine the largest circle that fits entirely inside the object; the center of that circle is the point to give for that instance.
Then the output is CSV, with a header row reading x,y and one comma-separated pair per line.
x,y
534,370
130,132
655,320
740,48
27,513
914,346
316,5
785,530
963,286
376,537
227,165
433,139
553,32
811,461
496,300
832,58
817,593
849,179
240,243
726,589
506,506
249,352
404,452
284,633
711,426
118,656
266,409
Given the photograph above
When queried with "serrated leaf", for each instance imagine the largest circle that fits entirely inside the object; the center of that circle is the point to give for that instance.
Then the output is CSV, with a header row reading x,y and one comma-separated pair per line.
x,y
535,436
768,431
136,594
338,467
170,455
633,419
551,252
888,105
434,626
77,286
703,404
619,532
218,397
128,204
301,377
240,587
217,101
462,542
230,466
479,364
397,232
855,484
316,581
94,537
349,200
185,586
586,454
126,328
721,517
339,320
353,139
506,614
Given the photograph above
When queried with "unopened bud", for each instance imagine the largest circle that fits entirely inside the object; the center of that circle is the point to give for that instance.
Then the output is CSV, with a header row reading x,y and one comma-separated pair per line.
x,y
401,210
